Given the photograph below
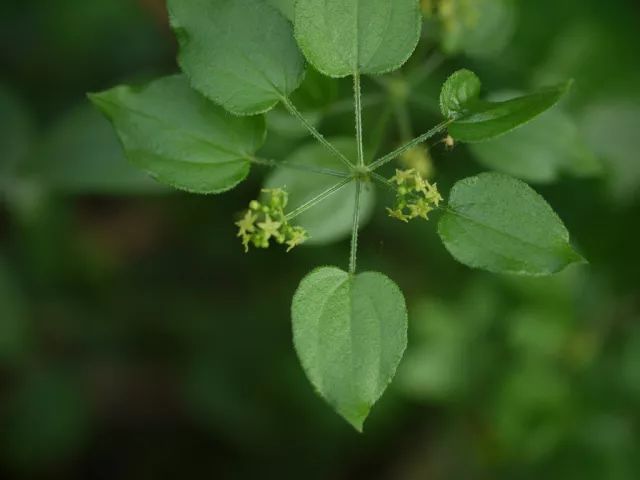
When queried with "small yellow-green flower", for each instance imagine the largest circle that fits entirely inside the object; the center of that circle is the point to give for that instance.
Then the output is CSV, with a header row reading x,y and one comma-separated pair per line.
x,y
267,220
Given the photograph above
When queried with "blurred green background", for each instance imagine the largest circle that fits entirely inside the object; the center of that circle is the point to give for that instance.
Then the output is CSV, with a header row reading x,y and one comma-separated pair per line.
x,y
137,340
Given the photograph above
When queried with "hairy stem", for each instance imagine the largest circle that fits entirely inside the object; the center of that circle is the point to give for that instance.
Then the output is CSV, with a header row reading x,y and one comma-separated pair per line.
x,y
317,199
416,141
357,95
294,166
354,230
318,136
384,181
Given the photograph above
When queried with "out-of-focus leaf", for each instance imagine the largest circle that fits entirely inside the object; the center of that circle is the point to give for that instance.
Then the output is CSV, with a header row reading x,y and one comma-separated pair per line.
x,y
344,37
478,28
497,223
239,53
181,138
315,94
611,130
332,219
540,151
532,412
350,333
80,154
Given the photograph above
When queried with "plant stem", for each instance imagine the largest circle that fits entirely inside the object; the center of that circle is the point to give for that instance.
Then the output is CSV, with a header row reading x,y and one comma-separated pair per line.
x,y
357,95
318,136
354,230
384,181
317,199
294,166
416,141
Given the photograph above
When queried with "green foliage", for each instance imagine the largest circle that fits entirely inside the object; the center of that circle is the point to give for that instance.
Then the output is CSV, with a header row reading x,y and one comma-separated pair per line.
x,y
344,37
483,120
459,91
500,224
179,137
79,154
350,333
239,53
349,328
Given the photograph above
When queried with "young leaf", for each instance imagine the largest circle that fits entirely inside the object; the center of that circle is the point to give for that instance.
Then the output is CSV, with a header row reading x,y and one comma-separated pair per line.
x,y
343,37
460,89
476,120
239,53
350,333
497,223
181,138
332,219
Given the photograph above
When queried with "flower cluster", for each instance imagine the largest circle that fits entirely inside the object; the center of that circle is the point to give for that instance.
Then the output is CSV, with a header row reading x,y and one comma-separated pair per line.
x,y
265,221
415,196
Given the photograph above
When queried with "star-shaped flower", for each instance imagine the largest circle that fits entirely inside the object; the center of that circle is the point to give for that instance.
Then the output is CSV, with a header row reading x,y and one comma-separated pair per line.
x,y
270,228
397,214
247,224
403,176
297,236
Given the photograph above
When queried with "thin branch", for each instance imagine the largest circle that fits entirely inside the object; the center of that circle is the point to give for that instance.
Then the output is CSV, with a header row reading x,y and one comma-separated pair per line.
x,y
416,141
384,181
317,199
296,113
295,166
357,95
354,230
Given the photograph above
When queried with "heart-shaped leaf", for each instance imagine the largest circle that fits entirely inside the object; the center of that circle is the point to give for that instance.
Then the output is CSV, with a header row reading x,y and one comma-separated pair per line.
x,y
498,223
475,120
239,53
350,332
343,37
181,138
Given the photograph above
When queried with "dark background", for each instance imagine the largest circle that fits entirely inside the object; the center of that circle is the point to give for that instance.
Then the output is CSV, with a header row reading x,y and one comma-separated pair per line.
x,y
137,340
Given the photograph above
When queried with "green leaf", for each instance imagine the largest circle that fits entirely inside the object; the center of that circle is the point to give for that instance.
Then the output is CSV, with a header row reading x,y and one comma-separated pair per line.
x,y
81,155
332,219
179,137
239,53
343,37
350,333
497,223
540,151
460,89
286,7
476,120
